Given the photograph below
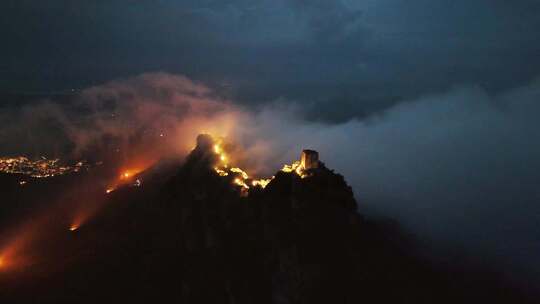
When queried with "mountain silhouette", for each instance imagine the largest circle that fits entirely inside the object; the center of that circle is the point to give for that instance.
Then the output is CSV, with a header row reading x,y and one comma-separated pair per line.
x,y
189,235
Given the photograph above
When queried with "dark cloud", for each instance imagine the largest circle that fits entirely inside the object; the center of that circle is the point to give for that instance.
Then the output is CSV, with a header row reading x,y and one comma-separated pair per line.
x,y
328,21
366,55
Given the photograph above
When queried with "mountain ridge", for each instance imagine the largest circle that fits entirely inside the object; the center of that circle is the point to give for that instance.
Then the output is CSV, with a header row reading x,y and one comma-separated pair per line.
x,y
192,236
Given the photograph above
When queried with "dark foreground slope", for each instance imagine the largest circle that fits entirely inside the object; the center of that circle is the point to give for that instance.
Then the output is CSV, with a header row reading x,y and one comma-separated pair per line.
x,y
194,239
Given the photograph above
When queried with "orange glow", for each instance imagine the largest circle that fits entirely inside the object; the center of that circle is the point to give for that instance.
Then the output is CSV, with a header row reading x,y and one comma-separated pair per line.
x,y
130,173
80,218
14,253
5,263
127,176
9,263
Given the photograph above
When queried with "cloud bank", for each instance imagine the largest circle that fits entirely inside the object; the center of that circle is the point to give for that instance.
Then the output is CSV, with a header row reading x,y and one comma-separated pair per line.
x,y
457,168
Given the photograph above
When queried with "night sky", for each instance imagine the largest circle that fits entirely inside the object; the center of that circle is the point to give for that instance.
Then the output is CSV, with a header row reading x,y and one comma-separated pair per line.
x,y
366,55
429,108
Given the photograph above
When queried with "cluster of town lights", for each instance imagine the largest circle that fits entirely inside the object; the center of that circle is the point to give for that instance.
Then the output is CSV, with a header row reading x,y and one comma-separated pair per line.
x,y
40,168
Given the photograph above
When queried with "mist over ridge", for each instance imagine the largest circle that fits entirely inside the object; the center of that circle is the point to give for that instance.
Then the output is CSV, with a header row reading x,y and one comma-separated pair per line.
x,y
456,167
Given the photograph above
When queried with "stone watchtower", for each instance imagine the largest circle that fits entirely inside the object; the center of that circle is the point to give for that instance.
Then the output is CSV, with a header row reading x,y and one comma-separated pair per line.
x,y
309,159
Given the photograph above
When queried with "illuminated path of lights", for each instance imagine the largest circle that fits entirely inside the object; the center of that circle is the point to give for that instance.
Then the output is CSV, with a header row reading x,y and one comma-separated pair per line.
x,y
242,179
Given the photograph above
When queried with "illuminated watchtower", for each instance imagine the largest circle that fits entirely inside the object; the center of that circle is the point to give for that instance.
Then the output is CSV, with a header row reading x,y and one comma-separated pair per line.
x,y
309,159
